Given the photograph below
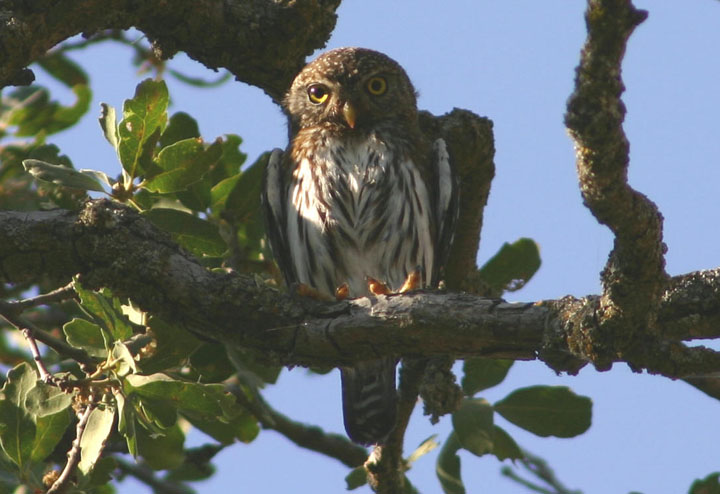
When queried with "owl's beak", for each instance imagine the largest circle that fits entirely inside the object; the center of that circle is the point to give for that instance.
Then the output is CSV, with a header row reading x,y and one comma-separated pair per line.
x,y
350,114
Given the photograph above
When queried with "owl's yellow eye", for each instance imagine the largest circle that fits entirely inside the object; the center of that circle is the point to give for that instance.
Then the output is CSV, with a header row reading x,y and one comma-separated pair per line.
x,y
376,85
318,93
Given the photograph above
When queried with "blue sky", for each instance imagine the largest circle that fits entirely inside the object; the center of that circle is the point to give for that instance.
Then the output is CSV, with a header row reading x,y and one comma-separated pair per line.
x,y
512,61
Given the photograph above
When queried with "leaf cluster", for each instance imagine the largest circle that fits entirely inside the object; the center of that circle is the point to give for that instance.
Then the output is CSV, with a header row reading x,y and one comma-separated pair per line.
x,y
143,383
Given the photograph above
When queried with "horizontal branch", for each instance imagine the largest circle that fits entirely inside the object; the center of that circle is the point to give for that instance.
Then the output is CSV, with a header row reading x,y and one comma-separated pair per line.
x,y
263,43
110,245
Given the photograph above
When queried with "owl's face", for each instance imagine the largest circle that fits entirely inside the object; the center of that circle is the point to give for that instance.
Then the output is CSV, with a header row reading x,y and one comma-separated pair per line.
x,y
351,89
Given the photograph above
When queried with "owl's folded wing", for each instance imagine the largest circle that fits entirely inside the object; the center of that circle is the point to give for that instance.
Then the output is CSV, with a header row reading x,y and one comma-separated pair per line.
x,y
447,208
275,205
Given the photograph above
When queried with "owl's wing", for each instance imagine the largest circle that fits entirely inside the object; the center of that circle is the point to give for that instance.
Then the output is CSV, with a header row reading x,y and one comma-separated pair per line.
x,y
448,205
275,211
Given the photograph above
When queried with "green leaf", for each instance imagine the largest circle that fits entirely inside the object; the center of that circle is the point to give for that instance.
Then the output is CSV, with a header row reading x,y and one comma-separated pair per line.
x,y
424,448
473,424
207,406
123,359
49,431
162,451
197,235
43,400
356,478
183,164
512,267
106,310
126,421
101,473
252,366
17,428
35,114
708,485
447,467
101,177
547,410
63,69
210,400
244,199
196,466
220,192
86,335
210,362
93,439
483,373
181,126
232,158
160,412
173,346
144,118
62,175
504,446
108,122
243,427
408,488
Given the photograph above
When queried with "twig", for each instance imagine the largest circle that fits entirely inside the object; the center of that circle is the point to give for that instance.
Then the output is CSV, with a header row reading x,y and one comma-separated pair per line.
x,y
44,374
9,312
62,483
510,473
304,435
540,469
58,295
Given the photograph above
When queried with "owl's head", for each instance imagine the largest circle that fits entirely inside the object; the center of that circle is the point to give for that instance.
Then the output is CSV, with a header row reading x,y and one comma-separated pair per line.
x,y
351,89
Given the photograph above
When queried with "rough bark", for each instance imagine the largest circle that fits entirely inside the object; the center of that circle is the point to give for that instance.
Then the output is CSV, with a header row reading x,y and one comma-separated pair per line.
x,y
110,245
634,277
263,43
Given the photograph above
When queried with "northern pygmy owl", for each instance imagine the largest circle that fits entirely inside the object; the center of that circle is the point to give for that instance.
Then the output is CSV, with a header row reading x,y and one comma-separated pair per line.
x,y
359,194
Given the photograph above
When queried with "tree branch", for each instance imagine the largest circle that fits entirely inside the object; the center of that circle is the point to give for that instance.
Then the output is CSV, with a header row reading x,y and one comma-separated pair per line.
x,y
111,245
306,436
11,313
269,39
63,482
634,277
470,141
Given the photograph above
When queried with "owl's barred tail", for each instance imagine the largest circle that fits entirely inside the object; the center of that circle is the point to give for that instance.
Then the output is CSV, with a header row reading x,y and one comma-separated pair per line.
x,y
369,400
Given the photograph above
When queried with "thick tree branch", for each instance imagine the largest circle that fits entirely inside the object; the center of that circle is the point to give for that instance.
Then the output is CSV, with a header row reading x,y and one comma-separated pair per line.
x,y
110,245
634,278
262,42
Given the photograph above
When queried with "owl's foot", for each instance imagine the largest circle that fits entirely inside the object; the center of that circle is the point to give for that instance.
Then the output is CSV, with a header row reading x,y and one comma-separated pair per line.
x,y
342,292
377,287
412,282
307,291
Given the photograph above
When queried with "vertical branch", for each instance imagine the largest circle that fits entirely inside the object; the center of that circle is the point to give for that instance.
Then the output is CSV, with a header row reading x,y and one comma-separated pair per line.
x,y
44,373
63,482
634,277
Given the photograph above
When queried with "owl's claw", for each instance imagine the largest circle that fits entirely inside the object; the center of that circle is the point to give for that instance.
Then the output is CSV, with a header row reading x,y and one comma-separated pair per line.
x,y
412,282
377,287
342,292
